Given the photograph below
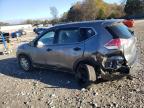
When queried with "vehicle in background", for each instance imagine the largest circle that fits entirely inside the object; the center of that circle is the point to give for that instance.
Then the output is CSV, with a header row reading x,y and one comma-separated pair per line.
x,y
22,32
86,49
18,33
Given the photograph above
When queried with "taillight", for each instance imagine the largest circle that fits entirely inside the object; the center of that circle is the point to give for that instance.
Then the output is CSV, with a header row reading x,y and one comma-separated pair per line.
x,y
115,43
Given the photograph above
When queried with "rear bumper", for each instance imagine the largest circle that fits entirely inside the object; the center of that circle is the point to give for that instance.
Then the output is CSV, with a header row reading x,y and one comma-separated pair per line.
x,y
111,62
115,64
116,61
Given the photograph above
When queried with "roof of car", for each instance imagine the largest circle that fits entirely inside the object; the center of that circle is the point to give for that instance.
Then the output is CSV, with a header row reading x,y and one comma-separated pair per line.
x,y
88,23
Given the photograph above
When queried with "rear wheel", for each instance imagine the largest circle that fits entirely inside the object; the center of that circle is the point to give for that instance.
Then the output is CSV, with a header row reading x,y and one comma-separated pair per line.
x,y
25,63
85,75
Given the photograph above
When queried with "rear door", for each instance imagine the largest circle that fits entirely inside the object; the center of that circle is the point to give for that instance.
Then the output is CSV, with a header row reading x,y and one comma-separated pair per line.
x,y
127,38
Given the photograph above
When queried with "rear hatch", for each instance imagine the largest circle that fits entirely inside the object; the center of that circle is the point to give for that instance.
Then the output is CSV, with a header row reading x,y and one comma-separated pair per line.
x,y
123,39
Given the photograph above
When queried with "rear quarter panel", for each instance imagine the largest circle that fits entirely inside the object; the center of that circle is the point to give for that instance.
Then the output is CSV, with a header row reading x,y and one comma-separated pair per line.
x,y
96,43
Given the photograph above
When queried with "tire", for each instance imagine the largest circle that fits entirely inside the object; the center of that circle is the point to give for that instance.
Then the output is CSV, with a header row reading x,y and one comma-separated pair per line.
x,y
85,75
25,63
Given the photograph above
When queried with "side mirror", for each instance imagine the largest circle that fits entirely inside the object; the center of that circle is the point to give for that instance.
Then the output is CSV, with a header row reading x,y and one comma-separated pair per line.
x,y
40,44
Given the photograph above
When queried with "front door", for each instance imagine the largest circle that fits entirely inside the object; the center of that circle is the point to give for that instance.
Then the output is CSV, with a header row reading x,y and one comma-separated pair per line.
x,y
41,50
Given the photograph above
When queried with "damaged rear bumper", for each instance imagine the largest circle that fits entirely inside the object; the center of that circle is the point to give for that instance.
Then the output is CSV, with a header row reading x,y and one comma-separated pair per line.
x,y
116,63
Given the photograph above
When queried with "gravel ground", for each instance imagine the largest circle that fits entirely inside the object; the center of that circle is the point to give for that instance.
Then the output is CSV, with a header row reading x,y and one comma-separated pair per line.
x,y
49,89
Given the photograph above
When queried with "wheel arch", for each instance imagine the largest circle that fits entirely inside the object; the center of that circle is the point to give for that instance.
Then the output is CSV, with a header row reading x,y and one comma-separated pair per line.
x,y
87,60
24,54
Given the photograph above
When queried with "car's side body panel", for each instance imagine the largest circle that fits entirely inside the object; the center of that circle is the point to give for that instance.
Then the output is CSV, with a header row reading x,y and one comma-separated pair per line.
x,y
64,55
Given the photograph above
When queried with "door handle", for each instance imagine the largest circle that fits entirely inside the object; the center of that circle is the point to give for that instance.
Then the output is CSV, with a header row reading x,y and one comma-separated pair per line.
x,y
77,49
49,49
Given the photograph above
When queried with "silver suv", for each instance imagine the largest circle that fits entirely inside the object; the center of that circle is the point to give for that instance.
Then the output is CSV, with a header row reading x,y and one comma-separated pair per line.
x,y
86,49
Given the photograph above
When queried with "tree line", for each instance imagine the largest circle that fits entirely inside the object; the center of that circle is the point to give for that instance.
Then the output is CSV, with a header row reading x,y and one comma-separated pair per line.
x,y
4,24
94,9
98,9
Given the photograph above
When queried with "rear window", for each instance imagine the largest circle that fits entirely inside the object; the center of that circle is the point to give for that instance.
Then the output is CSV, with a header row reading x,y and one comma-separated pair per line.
x,y
119,31
86,33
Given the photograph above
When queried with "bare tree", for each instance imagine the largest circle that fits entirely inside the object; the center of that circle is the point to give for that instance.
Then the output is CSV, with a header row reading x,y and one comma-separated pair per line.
x,y
54,12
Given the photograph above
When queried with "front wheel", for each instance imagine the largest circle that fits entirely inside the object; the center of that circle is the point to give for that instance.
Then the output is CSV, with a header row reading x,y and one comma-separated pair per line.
x,y
25,63
85,75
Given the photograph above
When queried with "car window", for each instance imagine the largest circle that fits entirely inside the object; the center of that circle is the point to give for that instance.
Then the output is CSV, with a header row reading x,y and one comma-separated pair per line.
x,y
86,33
68,36
46,39
119,31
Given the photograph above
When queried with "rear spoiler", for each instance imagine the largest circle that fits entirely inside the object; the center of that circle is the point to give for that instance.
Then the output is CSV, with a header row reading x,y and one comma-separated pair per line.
x,y
111,22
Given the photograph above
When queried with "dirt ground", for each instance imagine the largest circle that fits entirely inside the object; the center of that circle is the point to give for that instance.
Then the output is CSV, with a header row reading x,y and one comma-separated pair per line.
x,y
50,89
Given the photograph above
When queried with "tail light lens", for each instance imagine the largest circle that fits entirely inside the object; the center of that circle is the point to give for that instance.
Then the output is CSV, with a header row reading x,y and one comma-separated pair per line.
x,y
115,43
